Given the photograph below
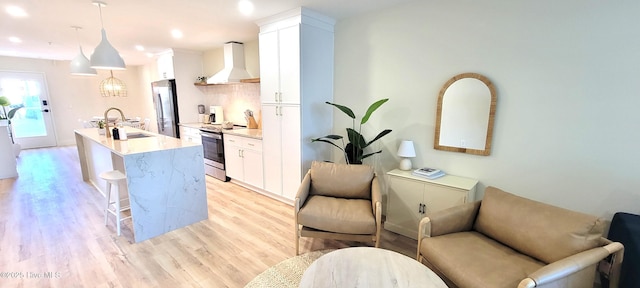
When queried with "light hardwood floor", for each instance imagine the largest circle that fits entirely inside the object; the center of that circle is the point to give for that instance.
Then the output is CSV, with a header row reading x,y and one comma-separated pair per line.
x,y
52,234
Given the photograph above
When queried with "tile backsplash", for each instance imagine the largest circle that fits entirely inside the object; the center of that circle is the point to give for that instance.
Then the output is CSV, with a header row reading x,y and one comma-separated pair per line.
x,y
235,99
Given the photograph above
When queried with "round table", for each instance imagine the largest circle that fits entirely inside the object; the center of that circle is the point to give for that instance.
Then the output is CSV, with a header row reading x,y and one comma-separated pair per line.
x,y
368,267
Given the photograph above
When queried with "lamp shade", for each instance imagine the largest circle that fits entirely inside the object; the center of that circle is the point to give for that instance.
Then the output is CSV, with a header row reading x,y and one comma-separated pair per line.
x,y
113,87
81,66
406,149
105,56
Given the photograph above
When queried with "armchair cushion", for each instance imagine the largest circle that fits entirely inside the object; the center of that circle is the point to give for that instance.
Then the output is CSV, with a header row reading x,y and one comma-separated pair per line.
x,y
344,181
536,229
349,216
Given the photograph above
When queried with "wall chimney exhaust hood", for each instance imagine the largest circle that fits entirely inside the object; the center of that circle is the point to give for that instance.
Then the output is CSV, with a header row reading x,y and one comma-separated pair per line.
x,y
234,69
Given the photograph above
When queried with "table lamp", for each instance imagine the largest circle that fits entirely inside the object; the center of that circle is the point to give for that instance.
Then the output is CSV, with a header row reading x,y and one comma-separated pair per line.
x,y
406,151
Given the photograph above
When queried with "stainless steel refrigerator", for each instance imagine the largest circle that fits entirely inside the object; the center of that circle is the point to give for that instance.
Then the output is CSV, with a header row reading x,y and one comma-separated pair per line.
x,y
165,100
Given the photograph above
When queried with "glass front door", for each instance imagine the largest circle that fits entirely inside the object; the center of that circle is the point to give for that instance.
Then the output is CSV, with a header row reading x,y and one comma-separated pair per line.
x,y
31,126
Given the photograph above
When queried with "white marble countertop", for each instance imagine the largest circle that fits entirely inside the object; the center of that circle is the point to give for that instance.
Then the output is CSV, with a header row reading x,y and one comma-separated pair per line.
x,y
155,142
244,132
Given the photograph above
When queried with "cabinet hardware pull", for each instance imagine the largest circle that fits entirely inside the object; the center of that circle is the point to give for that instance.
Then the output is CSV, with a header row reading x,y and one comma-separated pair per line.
x,y
275,96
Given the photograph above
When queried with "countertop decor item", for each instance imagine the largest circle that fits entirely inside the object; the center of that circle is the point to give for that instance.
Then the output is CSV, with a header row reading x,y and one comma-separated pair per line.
x,y
354,150
406,151
251,121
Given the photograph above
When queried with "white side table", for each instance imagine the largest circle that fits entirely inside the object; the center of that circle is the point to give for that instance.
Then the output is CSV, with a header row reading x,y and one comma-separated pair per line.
x,y
412,197
369,267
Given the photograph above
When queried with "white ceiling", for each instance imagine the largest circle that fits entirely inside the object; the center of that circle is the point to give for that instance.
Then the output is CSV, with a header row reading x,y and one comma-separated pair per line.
x,y
46,32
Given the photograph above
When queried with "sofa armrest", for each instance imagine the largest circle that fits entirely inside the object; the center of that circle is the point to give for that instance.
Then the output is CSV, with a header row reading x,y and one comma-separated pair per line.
x,y
455,219
572,264
302,194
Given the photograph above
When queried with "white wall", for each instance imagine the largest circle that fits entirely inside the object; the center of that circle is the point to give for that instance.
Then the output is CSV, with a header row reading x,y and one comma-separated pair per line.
x,y
566,73
78,97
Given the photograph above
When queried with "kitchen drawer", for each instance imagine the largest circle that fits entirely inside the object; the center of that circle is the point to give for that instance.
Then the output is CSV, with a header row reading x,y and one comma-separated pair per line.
x,y
244,142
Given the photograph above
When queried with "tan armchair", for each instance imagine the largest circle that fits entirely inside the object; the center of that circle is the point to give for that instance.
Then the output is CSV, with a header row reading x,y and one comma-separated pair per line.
x,y
338,201
509,241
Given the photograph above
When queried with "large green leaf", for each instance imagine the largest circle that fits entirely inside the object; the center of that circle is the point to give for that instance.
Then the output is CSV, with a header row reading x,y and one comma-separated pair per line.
x,y
344,109
372,108
380,135
4,101
332,137
371,154
326,141
356,138
13,111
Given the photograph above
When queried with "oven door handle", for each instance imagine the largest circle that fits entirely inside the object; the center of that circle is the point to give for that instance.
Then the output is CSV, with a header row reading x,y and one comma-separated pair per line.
x,y
209,135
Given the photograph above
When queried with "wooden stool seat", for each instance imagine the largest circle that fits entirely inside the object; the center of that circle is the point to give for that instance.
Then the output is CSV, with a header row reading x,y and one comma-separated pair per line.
x,y
114,178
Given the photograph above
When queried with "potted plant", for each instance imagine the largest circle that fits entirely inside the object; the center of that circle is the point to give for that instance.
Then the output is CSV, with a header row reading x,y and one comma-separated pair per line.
x,y
4,102
202,79
101,130
354,150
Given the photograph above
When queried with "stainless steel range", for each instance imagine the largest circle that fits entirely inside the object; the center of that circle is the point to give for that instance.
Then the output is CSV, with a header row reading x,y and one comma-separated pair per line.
x,y
213,146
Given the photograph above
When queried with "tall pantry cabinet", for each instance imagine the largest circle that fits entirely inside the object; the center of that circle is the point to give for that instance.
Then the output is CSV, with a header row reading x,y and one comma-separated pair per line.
x,y
296,79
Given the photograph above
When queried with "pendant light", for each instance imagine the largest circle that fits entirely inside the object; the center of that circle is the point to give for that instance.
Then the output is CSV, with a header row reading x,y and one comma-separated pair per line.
x,y
113,87
80,64
105,56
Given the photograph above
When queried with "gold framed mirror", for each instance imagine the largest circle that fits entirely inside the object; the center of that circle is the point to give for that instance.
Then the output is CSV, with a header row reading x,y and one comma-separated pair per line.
x,y
465,113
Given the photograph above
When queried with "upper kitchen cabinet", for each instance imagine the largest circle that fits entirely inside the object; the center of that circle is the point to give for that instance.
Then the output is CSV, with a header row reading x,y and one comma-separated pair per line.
x,y
183,66
296,57
165,66
296,79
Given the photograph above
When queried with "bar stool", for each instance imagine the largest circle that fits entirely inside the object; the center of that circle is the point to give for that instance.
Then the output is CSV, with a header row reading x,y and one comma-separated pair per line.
x,y
114,178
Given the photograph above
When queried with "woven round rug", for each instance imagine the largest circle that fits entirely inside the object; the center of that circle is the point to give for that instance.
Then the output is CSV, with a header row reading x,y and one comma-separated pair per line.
x,y
288,273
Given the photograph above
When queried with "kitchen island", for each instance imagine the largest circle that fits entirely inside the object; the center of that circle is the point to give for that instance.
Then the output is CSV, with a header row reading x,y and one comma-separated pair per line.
x,y
165,177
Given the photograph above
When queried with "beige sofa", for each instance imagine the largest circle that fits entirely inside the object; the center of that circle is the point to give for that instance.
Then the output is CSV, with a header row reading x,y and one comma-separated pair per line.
x,y
509,241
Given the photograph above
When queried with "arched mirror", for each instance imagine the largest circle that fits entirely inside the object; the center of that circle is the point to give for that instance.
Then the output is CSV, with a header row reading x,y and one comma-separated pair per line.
x,y
466,109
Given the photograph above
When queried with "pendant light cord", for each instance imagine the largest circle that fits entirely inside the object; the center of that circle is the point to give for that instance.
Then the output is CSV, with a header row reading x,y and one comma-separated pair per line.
x,y
100,9
77,35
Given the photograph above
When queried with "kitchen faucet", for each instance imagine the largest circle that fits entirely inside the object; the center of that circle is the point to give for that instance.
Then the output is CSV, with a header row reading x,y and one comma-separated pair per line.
x,y
106,120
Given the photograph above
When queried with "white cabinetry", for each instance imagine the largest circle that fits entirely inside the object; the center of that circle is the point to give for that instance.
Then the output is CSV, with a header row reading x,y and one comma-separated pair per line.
x,y
165,66
296,78
280,50
190,134
243,159
411,197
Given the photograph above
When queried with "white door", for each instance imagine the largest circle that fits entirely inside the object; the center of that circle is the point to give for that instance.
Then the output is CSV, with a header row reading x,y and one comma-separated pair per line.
x,y
272,148
291,156
289,46
269,67
31,126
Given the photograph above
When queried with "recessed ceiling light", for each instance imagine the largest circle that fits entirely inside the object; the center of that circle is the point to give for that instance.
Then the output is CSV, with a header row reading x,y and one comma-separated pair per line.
x,y
15,40
16,11
245,7
149,55
139,47
176,33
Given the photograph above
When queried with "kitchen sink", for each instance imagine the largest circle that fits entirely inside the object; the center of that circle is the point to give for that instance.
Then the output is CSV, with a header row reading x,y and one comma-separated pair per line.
x,y
137,135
